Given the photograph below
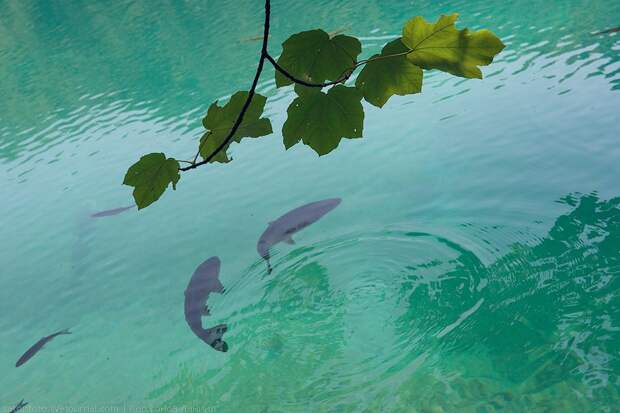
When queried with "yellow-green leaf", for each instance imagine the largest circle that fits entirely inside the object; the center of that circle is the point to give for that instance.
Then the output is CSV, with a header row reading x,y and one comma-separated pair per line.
x,y
150,177
385,76
441,46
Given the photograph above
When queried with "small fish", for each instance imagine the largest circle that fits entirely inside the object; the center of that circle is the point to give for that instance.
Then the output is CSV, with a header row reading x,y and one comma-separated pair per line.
x,y
252,39
19,406
608,31
282,229
204,281
110,212
38,346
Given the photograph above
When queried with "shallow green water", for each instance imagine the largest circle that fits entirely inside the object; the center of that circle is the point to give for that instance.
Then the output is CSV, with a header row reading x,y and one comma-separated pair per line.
x,y
472,266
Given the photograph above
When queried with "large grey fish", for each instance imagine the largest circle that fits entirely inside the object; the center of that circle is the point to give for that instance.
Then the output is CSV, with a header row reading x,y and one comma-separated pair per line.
x,y
282,229
204,281
110,212
19,406
38,346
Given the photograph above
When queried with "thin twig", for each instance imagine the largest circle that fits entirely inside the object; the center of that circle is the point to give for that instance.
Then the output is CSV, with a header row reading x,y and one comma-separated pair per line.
x,y
246,105
343,78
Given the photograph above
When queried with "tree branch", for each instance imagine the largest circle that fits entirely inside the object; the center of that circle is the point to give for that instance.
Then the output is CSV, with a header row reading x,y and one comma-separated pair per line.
x,y
264,55
246,105
343,78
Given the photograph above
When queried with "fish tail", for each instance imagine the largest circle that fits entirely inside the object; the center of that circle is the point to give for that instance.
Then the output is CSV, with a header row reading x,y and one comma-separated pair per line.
x,y
269,269
65,331
19,406
214,337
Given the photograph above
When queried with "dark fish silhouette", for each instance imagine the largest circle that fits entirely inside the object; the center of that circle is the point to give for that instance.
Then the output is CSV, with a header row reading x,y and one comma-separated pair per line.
x,y
204,281
608,31
111,212
19,406
38,346
282,229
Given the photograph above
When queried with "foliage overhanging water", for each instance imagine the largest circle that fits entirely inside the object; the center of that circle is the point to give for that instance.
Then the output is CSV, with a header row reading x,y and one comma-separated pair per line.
x,y
472,265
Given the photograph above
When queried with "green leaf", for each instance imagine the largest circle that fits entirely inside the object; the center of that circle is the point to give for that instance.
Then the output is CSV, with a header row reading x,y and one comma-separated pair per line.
x,y
220,120
321,120
315,57
441,46
384,76
208,145
150,177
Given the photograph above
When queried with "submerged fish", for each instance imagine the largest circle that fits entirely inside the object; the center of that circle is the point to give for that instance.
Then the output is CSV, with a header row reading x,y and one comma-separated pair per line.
x,y
19,406
204,281
282,229
110,212
38,346
608,31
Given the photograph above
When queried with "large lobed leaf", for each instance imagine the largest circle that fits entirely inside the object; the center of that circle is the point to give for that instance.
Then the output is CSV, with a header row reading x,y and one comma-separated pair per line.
x,y
220,120
384,76
314,56
150,177
441,46
321,120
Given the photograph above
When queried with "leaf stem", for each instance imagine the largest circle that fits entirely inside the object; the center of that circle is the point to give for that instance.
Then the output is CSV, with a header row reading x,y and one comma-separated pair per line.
x,y
343,78
372,59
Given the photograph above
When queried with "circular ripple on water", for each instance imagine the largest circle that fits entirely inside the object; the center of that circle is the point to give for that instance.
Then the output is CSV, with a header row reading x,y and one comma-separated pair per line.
x,y
345,320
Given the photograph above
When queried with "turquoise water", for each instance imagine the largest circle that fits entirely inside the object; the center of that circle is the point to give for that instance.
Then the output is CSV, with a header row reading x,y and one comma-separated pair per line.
x,y
472,266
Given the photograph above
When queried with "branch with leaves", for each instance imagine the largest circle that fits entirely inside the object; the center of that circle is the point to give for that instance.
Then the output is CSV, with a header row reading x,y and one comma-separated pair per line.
x,y
312,61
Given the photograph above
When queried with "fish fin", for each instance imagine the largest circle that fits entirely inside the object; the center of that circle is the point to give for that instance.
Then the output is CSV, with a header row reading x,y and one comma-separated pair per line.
x,y
205,310
289,240
65,331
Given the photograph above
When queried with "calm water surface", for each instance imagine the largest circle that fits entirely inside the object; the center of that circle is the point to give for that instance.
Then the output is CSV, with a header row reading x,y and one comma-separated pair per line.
x,y
473,265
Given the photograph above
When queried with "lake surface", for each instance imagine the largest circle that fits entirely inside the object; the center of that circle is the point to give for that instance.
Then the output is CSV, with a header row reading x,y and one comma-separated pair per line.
x,y
473,265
